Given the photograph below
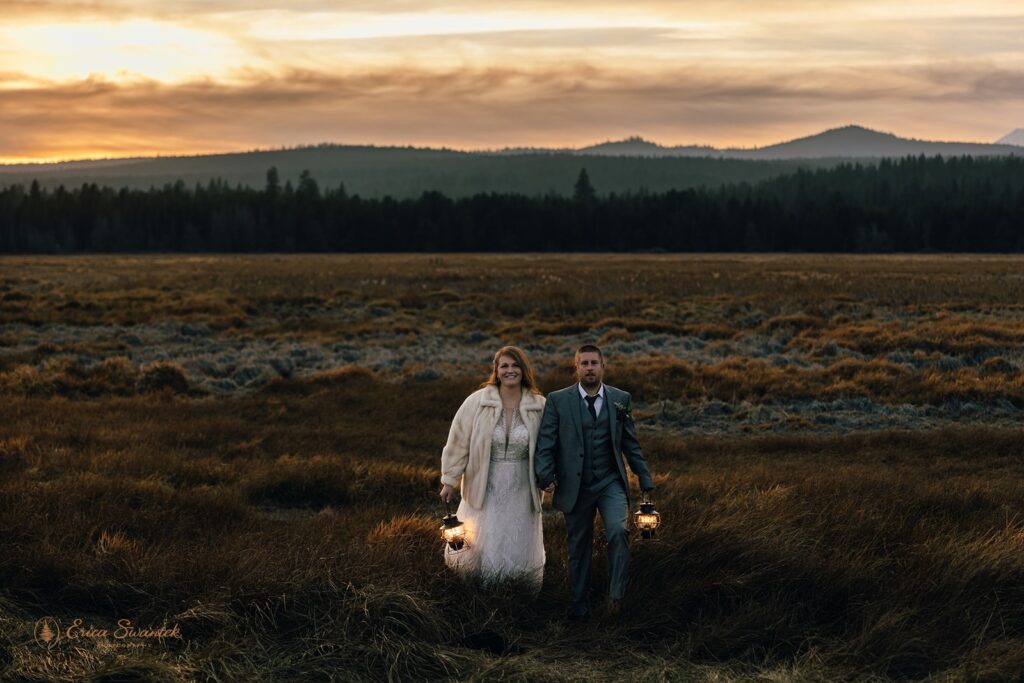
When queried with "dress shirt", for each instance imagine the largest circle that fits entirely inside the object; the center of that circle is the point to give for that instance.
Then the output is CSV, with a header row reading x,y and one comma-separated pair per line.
x,y
600,397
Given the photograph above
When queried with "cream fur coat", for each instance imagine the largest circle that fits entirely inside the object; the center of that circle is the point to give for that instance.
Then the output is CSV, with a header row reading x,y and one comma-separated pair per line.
x,y
467,455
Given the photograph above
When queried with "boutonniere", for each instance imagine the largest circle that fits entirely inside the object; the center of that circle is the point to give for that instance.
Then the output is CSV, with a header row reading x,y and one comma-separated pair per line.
x,y
624,408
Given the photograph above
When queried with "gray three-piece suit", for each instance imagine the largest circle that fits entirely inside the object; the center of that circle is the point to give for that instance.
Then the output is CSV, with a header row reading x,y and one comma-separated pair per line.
x,y
584,457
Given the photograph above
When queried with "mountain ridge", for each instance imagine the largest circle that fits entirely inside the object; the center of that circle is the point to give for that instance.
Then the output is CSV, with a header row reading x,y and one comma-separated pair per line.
x,y
633,164
1014,137
850,141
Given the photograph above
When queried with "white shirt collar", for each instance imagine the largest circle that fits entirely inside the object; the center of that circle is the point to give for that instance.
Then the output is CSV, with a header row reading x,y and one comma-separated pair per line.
x,y
583,392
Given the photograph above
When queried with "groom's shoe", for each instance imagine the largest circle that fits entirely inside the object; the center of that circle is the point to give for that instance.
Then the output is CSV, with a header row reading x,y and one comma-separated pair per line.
x,y
579,615
613,611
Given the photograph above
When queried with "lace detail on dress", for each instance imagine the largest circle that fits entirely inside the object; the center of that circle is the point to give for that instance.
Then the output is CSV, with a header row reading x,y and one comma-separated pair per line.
x,y
510,444
506,537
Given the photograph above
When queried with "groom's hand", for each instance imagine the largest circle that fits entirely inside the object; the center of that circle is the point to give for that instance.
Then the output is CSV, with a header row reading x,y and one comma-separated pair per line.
x,y
550,488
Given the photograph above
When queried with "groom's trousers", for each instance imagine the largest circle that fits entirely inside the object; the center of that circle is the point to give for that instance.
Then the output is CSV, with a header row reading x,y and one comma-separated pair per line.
x,y
609,498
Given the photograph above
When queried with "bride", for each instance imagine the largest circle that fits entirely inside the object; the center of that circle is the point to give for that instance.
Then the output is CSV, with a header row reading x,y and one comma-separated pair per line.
x,y
490,449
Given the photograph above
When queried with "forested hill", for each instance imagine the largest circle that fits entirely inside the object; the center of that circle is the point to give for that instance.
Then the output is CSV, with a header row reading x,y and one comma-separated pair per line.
x,y
914,204
401,172
408,172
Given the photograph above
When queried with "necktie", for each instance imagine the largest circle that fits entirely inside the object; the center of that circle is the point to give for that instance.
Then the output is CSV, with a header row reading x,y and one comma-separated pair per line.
x,y
591,400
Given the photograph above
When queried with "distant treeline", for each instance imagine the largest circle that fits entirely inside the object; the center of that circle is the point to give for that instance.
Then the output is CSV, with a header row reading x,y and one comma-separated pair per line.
x,y
912,204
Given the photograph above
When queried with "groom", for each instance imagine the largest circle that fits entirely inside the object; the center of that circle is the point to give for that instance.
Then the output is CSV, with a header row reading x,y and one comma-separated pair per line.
x,y
584,434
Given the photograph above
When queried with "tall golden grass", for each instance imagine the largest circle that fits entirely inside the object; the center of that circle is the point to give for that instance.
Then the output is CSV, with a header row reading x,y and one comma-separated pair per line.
x,y
291,531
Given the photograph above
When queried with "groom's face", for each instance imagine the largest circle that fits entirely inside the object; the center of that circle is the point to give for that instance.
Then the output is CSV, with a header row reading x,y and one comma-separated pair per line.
x,y
589,369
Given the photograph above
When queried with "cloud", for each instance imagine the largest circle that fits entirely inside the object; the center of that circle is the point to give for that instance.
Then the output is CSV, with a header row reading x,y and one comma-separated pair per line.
x,y
494,107
188,40
749,8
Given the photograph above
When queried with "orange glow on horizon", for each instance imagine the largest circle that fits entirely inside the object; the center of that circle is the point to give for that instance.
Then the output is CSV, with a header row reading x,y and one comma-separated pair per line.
x,y
111,81
559,142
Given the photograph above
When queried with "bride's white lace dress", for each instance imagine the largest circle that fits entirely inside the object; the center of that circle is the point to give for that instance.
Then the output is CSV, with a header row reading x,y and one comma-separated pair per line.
x,y
505,539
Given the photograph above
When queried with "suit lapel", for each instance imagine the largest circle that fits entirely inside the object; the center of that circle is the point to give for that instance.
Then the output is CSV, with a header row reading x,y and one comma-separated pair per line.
x,y
609,405
577,412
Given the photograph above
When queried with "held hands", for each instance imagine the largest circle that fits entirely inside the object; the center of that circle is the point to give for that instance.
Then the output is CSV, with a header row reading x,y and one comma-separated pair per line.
x,y
447,492
546,491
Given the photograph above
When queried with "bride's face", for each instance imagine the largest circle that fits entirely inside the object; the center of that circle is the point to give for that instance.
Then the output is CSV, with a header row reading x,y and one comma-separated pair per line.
x,y
509,373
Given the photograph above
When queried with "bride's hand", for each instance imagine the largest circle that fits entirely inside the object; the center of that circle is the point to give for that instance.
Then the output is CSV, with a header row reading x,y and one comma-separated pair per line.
x,y
446,493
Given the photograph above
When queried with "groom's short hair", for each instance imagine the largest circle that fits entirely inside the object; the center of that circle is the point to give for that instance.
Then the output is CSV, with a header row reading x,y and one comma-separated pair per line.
x,y
588,348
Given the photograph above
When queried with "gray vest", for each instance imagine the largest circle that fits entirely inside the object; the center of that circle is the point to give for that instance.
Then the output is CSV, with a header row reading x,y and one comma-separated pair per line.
x,y
598,455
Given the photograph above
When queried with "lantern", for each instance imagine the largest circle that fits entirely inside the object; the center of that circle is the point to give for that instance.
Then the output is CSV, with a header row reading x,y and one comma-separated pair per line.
x,y
647,518
453,531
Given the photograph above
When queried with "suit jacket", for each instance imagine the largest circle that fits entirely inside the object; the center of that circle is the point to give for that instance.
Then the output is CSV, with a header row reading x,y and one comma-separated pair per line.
x,y
559,456
466,456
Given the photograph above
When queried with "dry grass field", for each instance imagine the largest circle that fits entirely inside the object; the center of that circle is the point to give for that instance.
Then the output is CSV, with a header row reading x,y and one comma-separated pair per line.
x,y
212,442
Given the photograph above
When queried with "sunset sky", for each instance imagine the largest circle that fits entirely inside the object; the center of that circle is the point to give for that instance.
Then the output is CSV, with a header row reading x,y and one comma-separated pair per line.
x,y
98,79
